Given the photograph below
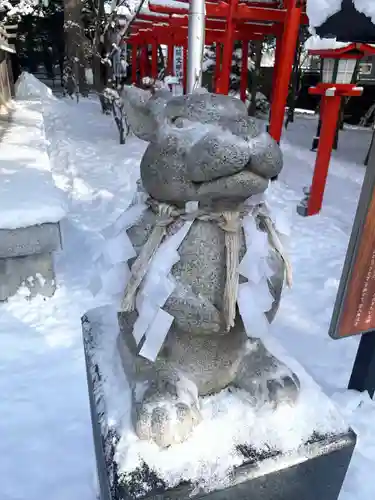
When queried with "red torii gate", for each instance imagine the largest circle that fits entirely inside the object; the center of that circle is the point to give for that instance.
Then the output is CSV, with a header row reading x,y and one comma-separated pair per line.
x,y
175,34
226,22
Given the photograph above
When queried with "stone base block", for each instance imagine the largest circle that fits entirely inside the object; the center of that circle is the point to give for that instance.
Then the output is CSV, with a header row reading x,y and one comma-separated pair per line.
x,y
315,471
36,272
42,238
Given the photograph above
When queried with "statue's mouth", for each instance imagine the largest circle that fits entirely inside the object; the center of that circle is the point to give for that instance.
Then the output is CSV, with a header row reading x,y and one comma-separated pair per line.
x,y
231,188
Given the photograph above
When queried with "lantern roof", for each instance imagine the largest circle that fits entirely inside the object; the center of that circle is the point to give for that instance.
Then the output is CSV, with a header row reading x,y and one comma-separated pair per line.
x,y
353,21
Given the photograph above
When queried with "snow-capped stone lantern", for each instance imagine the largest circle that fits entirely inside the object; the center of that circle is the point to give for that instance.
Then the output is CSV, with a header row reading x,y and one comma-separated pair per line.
x,y
338,74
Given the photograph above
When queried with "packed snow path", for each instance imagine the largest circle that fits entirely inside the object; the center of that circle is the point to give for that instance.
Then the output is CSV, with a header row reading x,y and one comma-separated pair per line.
x,y
46,450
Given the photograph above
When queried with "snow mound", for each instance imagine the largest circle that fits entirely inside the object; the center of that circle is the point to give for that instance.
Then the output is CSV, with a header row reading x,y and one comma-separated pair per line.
x,y
29,87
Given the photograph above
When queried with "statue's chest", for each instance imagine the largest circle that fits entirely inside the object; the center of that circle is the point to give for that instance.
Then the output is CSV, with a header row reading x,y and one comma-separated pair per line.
x,y
199,259
202,263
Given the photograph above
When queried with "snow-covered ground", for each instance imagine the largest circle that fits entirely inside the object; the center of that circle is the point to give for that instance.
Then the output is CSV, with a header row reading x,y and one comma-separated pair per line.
x,y
46,447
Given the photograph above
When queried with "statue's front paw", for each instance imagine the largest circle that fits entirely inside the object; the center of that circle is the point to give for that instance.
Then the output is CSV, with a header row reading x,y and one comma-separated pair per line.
x,y
165,420
284,389
271,389
266,378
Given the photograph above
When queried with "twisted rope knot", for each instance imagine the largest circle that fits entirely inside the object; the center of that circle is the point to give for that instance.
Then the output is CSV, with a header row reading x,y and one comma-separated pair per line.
x,y
231,222
231,228
166,214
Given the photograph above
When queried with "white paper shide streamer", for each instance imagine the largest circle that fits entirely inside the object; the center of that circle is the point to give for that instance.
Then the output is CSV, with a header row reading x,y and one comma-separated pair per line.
x,y
153,322
111,264
254,298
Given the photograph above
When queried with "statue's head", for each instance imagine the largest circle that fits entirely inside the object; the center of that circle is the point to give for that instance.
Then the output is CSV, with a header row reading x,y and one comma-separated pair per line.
x,y
203,147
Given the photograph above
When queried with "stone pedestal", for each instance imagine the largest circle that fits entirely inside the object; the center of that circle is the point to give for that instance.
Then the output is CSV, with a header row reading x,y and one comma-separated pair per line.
x,y
316,470
26,256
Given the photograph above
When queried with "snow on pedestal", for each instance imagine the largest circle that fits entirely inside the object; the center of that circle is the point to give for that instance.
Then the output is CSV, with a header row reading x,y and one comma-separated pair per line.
x,y
31,206
28,195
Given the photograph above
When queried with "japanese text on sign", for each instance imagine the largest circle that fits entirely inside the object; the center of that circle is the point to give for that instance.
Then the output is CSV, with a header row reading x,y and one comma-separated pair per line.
x,y
179,62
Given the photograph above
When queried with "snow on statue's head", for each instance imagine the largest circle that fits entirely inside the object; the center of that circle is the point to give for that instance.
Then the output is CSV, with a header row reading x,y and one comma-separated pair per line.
x,y
196,329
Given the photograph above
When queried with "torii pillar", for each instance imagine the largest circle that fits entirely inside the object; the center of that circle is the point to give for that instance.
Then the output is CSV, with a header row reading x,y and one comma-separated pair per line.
x,y
284,71
222,86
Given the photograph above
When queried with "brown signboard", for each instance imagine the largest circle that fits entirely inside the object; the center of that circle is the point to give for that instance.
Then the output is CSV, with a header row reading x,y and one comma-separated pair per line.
x,y
354,311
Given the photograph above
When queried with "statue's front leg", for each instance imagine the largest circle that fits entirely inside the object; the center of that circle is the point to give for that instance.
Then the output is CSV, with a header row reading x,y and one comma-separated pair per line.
x,y
167,409
265,378
193,313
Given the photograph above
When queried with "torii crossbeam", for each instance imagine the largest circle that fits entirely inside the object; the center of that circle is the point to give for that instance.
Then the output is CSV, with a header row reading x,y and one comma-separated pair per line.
x,y
166,22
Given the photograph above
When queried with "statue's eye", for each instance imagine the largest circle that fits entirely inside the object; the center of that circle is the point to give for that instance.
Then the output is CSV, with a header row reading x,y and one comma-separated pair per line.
x,y
177,121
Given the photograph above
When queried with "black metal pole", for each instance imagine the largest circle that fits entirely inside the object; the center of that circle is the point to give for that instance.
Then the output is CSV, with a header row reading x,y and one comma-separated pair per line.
x,y
294,86
369,149
363,374
315,143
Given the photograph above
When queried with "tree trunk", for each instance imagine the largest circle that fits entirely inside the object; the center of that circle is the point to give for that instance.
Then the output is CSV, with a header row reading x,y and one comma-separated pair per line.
x,y
294,86
74,41
161,57
255,76
99,50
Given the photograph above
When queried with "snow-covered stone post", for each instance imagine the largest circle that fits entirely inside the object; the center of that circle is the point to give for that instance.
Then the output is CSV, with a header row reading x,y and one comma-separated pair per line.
x,y
208,389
